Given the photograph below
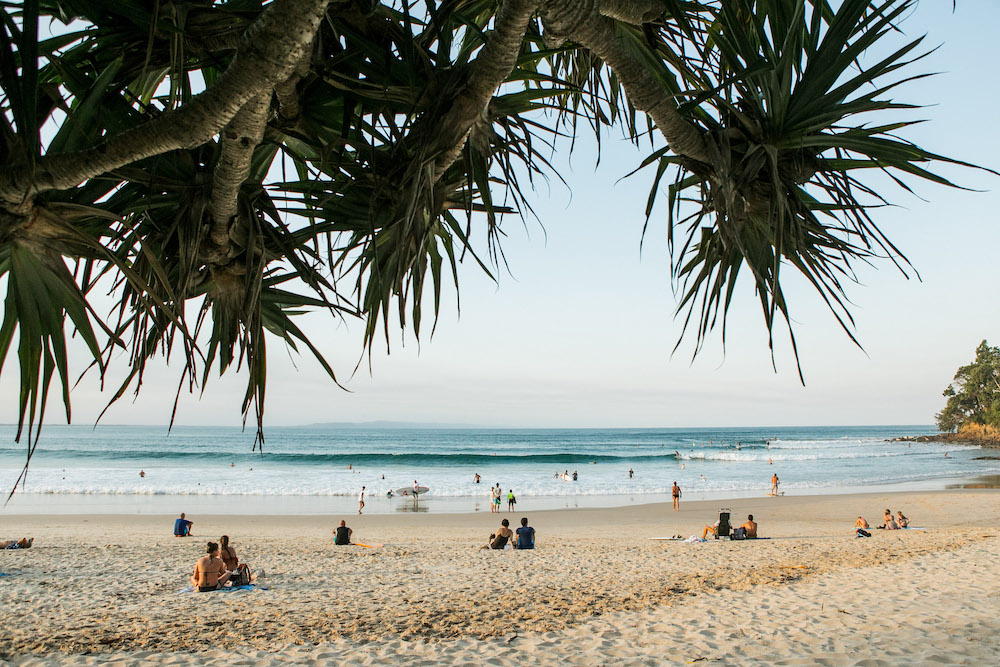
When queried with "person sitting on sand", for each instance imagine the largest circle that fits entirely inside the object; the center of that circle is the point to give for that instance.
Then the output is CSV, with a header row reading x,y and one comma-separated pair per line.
x,y
750,527
210,571
182,527
343,534
714,529
861,523
886,519
891,524
499,539
23,543
525,536
902,521
228,554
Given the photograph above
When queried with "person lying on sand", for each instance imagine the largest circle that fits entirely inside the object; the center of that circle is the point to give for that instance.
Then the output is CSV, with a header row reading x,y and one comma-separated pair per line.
x,y
343,534
210,571
902,521
499,539
23,543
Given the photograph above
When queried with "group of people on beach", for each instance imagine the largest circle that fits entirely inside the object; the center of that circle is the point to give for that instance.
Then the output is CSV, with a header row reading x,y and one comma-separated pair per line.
x,y
496,496
889,522
220,564
523,538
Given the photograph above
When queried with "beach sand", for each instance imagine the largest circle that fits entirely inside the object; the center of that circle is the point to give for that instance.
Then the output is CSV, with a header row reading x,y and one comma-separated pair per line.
x,y
106,589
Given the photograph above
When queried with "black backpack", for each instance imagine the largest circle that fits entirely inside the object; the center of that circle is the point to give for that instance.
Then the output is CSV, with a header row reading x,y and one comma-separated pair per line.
x,y
241,575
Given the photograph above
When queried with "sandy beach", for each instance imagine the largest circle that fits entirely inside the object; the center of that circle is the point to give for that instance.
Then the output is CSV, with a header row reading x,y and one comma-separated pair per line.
x,y
107,589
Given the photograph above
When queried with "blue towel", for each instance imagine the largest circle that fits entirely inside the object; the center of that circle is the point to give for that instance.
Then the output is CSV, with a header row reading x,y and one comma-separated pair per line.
x,y
226,589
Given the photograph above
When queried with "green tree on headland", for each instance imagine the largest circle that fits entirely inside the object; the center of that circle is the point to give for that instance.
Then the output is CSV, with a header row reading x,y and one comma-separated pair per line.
x,y
974,396
221,166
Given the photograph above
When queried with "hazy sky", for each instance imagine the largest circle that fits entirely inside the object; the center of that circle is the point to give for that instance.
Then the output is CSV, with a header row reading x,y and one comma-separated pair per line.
x,y
580,333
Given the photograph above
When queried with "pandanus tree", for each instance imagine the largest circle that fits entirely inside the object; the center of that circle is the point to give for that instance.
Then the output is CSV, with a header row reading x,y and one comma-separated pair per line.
x,y
220,167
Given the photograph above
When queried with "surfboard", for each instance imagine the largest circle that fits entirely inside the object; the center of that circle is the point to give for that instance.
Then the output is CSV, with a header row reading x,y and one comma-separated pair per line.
x,y
674,539
409,492
367,546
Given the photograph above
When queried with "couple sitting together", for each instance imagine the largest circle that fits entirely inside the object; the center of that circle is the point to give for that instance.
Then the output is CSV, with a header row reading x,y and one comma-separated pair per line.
x,y
748,531
525,536
219,566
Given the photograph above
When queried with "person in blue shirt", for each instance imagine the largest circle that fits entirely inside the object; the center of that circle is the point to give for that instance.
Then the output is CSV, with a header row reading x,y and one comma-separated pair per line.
x,y
182,527
525,536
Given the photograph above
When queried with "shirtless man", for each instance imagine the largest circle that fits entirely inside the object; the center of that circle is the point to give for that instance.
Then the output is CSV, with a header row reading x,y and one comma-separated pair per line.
x,y
361,500
861,523
676,493
210,571
23,543
774,485
751,527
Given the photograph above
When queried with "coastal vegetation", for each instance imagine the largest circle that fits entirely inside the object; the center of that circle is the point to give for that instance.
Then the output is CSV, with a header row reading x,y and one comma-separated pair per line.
x,y
220,167
972,412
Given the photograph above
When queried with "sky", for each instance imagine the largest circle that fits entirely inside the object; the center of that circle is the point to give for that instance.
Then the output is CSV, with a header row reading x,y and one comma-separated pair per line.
x,y
578,329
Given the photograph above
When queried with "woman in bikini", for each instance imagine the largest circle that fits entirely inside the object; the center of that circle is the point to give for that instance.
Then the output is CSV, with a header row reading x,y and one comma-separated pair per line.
x,y
903,521
210,571
228,554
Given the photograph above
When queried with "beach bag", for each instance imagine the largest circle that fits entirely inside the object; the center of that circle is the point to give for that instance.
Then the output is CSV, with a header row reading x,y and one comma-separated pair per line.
x,y
739,534
241,576
863,533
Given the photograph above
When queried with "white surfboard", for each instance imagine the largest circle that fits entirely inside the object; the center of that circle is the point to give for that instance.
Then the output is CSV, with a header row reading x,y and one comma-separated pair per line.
x,y
409,492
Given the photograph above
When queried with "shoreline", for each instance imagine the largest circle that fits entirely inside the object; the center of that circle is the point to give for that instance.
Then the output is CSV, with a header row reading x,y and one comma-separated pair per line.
x,y
58,504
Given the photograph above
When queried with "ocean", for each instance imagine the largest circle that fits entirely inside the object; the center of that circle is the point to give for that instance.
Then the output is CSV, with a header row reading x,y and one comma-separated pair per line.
x,y
321,469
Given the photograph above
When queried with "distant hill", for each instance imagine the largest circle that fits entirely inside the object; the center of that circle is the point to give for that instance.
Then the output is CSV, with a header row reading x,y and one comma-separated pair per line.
x,y
388,425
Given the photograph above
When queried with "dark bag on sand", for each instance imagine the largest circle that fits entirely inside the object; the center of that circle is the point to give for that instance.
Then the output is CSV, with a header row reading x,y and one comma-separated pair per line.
x,y
241,576
739,534
863,533
723,524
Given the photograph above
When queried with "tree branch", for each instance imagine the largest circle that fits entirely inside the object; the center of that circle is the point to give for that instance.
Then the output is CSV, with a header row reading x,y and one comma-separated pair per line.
x,y
493,64
239,140
634,12
267,54
288,96
582,22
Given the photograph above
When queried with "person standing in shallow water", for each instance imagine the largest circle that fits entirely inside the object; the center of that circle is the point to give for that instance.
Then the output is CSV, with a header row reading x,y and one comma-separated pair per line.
x,y
774,484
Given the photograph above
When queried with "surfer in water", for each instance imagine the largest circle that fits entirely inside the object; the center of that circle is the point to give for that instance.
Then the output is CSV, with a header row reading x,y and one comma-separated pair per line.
x,y
416,488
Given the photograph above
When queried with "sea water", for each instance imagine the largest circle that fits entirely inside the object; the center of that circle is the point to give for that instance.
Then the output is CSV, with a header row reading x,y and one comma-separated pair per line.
x,y
322,468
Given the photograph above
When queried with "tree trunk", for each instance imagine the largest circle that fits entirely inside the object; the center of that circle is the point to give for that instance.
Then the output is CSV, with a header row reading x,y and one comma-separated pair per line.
x,y
239,139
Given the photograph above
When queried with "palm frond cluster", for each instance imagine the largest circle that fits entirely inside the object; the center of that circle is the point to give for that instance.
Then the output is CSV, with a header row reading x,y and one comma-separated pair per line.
x,y
224,166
